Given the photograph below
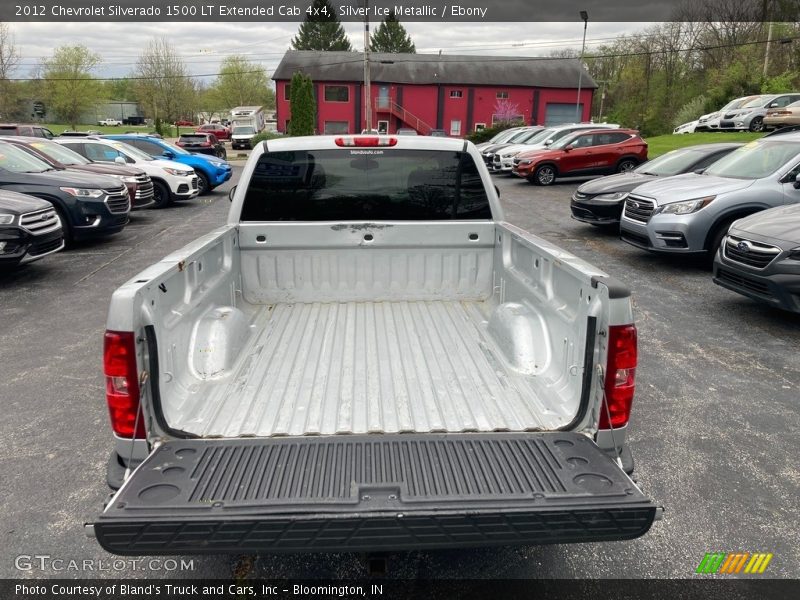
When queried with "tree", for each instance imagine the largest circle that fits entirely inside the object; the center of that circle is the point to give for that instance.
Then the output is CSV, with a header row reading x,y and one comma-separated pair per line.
x,y
321,30
241,83
302,105
391,36
9,59
164,85
68,85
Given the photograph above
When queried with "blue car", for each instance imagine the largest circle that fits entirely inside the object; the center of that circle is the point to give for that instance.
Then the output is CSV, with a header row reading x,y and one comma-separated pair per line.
x,y
211,171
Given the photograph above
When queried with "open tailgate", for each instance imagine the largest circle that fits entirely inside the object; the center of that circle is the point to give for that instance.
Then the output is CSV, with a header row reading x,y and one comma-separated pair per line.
x,y
372,492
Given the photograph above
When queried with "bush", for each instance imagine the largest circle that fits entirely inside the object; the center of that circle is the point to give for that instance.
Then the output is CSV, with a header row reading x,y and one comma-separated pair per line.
x,y
484,135
266,135
690,111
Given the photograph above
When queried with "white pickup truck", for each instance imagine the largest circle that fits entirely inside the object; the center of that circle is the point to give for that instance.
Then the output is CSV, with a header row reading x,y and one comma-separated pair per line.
x,y
110,122
367,357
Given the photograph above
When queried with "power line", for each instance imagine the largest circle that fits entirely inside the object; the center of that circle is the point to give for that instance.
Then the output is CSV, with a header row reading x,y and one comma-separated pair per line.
x,y
434,58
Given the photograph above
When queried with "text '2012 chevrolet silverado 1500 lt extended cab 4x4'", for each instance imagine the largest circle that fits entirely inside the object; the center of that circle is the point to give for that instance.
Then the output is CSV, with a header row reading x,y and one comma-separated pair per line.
x,y
367,357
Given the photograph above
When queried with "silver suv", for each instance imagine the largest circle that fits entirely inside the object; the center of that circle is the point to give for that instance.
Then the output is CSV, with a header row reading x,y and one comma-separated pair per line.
x,y
691,213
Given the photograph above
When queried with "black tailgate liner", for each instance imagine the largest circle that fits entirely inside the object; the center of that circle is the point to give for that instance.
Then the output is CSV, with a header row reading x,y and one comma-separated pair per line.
x,y
372,492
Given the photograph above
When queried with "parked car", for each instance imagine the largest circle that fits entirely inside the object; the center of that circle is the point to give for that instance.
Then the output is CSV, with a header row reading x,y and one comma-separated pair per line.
x,y
29,130
691,213
29,229
88,205
110,122
242,137
499,138
171,180
384,404
601,201
502,161
519,135
438,133
760,257
750,116
592,152
220,131
140,187
689,127
710,122
184,123
783,117
73,133
211,171
202,143
134,120
407,131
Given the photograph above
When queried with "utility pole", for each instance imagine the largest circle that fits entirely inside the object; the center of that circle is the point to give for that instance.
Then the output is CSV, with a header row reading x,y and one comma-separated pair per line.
x,y
367,87
602,99
585,17
766,50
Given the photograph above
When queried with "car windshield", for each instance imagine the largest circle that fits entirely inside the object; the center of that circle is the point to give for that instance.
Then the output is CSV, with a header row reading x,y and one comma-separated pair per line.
x,y
503,136
193,138
131,151
244,130
671,163
757,102
540,136
736,103
531,135
755,160
516,137
17,160
567,138
60,153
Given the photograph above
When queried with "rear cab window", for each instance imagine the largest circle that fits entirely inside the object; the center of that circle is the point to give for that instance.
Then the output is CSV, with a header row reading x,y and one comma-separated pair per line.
x,y
358,184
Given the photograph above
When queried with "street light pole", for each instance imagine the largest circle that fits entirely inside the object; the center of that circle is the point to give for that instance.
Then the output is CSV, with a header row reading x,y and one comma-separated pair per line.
x,y
585,17
367,86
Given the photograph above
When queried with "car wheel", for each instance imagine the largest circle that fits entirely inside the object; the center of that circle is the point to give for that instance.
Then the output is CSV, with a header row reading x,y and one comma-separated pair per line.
x,y
65,226
716,239
203,185
544,175
161,194
625,165
757,124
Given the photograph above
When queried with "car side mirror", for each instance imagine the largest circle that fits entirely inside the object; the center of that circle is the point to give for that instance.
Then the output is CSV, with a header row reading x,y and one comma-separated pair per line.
x,y
797,182
569,148
169,154
773,105
119,160
231,194
699,171
548,142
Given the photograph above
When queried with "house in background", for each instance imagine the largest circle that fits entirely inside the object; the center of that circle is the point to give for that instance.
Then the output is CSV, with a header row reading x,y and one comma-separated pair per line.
x,y
459,94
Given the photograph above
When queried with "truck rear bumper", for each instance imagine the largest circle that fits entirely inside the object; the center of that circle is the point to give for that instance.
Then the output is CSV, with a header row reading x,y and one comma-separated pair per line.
x,y
372,492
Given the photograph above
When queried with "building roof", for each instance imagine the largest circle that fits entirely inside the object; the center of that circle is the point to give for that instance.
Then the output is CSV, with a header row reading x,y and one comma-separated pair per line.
x,y
448,69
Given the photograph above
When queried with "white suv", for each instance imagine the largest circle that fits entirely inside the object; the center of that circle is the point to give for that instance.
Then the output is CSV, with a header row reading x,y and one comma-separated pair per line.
x,y
503,160
171,180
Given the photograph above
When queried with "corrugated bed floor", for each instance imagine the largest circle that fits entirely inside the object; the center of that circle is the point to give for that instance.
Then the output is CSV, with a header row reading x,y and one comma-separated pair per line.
x,y
361,367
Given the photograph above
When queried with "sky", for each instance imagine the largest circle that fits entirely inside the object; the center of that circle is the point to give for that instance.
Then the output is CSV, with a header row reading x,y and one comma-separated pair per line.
x,y
204,45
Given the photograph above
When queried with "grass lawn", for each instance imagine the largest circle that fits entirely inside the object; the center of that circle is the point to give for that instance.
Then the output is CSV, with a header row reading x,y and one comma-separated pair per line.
x,y
58,129
661,144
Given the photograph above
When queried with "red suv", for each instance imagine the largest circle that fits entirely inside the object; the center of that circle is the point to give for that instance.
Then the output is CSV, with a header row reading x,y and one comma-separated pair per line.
x,y
220,131
593,152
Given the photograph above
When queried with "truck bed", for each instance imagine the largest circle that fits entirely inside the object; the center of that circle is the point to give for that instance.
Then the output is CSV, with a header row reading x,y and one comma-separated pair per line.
x,y
363,367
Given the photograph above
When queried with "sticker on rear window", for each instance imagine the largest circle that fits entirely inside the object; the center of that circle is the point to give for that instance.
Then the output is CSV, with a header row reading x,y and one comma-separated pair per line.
x,y
366,152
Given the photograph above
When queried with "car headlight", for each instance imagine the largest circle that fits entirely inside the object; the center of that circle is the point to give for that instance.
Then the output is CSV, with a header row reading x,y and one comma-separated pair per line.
x,y
125,178
612,196
525,161
83,192
686,207
178,172
6,219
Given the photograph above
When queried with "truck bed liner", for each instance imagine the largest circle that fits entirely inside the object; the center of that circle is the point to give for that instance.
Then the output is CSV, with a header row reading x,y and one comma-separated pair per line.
x,y
367,367
371,492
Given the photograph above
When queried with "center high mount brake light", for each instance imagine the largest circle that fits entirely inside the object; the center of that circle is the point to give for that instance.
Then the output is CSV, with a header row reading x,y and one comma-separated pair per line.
x,y
365,142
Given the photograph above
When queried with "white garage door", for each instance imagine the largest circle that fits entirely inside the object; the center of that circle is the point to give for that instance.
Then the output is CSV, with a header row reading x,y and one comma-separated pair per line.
x,y
559,113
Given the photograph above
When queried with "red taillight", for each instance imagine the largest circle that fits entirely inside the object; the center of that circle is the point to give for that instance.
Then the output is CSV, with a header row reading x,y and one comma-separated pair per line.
x,y
206,144
365,142
122,384
620,376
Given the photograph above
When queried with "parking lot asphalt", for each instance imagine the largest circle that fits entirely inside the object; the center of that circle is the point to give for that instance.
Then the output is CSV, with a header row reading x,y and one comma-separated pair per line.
x,y
713,431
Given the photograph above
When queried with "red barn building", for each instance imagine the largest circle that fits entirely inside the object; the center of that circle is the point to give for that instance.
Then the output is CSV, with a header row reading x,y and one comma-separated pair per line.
x,y
458,94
